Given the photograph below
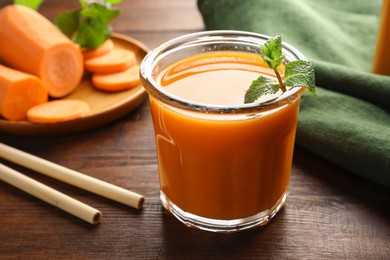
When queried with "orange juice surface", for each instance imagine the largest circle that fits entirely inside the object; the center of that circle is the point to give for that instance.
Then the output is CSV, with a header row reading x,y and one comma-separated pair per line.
x,y
222,166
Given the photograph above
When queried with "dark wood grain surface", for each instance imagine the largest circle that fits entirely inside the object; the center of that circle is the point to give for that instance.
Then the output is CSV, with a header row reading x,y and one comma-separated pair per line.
x,y
330,214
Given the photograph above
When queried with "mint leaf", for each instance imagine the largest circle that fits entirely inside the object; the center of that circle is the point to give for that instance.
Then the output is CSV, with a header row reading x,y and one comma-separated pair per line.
x,y
300,73
260,87
33,4
99,12
93,28
90,36
68,22
271,52
88,26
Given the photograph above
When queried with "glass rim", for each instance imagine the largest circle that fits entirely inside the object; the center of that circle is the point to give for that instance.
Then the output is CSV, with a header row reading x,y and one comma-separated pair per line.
x,y
153,88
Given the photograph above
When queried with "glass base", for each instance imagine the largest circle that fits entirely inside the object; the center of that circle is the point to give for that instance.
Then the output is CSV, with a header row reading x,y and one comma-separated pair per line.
x,y
219,225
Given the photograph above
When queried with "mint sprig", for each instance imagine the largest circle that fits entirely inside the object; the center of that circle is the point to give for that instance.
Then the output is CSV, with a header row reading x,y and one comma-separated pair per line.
x,y
88,26
297,73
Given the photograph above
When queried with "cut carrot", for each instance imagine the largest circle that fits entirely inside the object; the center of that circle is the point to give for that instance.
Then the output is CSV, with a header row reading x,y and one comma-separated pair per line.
x,y
18,93
103,49
117,81
32,44
114,61
58,111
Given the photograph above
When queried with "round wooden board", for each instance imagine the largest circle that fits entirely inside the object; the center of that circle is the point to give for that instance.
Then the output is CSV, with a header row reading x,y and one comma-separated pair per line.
x,y
105,107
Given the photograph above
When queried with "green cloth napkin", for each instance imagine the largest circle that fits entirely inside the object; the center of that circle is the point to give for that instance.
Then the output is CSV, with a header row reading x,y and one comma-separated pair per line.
x,y
348,122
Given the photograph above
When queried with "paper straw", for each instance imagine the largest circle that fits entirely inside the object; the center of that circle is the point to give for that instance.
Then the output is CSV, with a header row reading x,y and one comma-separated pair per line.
x,y
72,177
49,195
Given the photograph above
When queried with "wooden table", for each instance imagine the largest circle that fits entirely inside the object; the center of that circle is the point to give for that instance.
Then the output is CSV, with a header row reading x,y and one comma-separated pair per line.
x,y
330,214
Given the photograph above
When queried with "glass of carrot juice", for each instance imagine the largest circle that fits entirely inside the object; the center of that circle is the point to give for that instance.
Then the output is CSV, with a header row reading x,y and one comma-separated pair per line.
x,y
224,166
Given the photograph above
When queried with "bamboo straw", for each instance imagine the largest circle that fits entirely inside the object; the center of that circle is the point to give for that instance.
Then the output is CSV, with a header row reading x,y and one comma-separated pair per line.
x,y
72,177
50,195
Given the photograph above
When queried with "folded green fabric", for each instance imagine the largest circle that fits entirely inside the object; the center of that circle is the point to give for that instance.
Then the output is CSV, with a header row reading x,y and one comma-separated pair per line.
x,y
348,122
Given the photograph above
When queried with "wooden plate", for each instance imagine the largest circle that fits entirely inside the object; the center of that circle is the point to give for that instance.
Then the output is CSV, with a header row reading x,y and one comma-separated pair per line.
x,y
105,107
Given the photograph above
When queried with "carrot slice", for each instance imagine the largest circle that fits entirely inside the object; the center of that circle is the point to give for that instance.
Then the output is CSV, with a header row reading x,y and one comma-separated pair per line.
x,y
114,61
32,44
58,111
117,81
103,49
18,93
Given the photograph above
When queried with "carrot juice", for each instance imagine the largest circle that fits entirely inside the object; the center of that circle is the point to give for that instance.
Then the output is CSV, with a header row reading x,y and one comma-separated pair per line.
x,y
223,166
381,63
